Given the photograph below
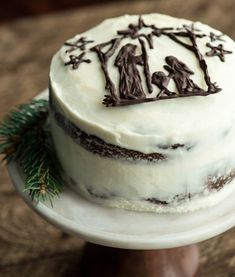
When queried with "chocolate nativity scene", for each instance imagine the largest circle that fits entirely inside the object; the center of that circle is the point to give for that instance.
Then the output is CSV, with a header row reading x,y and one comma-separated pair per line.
x,y
130,90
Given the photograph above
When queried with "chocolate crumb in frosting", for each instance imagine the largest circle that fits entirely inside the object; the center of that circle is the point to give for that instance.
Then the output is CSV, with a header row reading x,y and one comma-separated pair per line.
x,y
103,57
98,195
213,183
217,183
157,201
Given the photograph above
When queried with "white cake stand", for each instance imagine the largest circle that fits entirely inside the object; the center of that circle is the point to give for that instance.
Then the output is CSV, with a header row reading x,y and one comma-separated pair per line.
x,y
127,229
133,230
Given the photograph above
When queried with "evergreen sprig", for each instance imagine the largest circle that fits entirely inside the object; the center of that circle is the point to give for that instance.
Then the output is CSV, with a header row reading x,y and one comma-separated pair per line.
x,y
24,137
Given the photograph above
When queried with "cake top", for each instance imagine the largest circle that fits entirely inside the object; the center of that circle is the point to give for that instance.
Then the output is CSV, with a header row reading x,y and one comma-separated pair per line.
x,y
110,80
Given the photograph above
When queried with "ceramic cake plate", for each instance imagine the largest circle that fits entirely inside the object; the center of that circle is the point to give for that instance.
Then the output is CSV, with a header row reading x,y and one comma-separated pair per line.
x,y
127,229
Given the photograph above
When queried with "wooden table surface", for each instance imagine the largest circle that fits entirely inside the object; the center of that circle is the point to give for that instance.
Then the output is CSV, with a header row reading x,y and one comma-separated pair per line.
x,y
29,246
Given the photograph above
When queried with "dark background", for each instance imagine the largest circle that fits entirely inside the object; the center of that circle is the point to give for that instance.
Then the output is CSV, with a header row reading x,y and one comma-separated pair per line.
x,y
10,9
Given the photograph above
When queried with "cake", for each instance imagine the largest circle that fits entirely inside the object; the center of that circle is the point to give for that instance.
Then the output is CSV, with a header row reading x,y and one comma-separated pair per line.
x,y
142,113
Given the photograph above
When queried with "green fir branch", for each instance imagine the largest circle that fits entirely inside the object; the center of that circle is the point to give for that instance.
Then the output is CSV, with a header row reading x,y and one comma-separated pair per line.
x,y
24,136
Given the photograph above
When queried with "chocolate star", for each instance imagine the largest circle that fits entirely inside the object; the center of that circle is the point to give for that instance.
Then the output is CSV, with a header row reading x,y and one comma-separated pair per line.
x,y
190,27
133,32
75,61
79,44
215,37
218,51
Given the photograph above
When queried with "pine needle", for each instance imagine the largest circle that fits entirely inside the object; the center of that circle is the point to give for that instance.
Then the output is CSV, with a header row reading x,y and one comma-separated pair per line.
x,y
24,137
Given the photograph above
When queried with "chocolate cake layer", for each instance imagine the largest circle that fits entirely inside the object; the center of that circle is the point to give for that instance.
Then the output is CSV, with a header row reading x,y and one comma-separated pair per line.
x,y
97,145
214,183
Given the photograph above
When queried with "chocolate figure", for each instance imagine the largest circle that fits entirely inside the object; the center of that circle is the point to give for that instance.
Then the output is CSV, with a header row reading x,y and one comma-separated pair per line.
x,y
130,83
161,80
130,86
75,61
180,73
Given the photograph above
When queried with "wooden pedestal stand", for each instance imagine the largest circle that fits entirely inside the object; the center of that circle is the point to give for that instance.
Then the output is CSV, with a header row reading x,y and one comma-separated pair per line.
x,y
105,261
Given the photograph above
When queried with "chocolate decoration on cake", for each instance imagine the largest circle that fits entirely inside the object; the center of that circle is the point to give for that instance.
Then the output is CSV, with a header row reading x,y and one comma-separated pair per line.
x,y
75,61
218,51
180,73
130,89
133,32
189,27
132,92
189,32
176,146
78,44
161,80
103,57
146,66
130,85
215,37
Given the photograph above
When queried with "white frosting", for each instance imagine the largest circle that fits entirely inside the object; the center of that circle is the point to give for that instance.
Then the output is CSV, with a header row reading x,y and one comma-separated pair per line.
x,y
206,124
142,127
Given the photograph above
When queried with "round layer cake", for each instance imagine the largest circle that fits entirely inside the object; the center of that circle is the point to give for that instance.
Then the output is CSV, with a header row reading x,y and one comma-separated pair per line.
x,y
142,113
